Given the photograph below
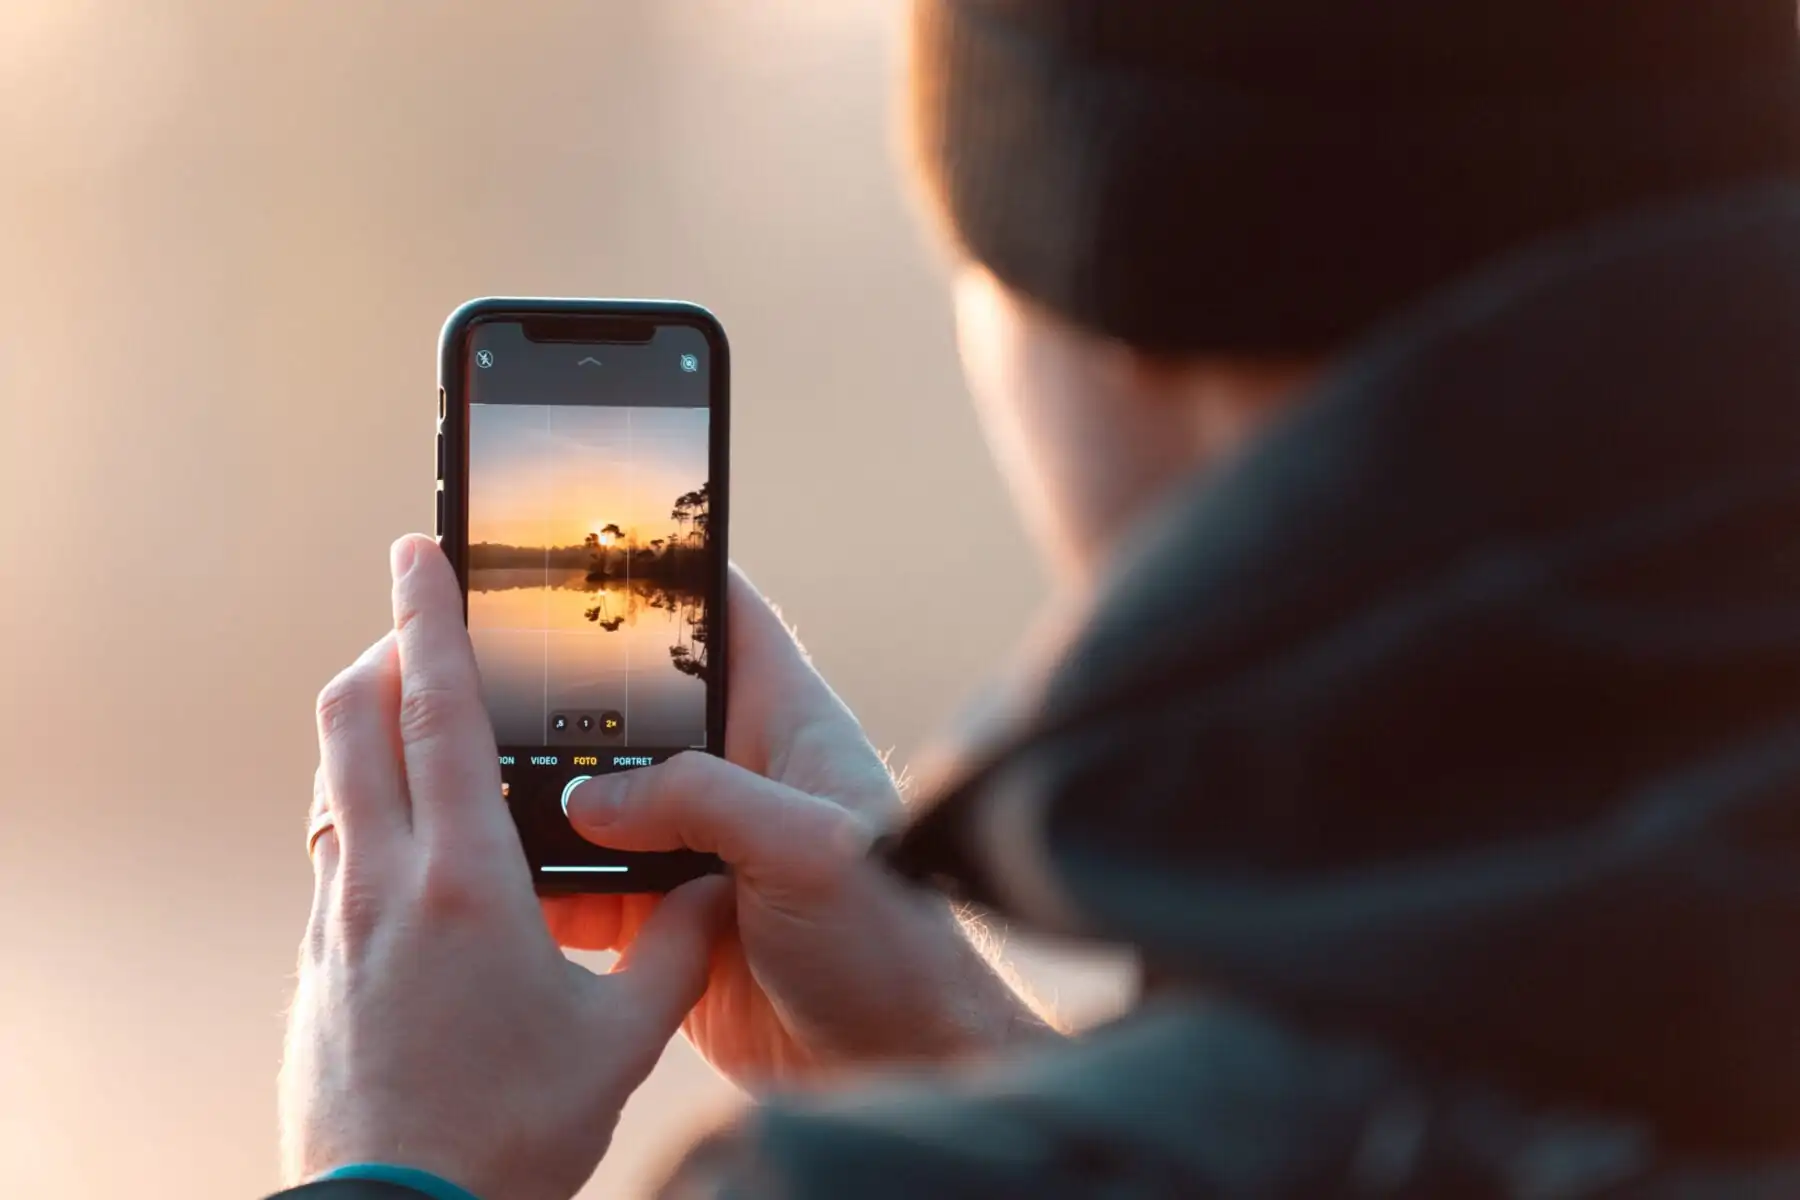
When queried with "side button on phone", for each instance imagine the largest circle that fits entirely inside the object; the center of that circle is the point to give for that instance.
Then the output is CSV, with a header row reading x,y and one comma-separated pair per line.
x,y
440,515
440,458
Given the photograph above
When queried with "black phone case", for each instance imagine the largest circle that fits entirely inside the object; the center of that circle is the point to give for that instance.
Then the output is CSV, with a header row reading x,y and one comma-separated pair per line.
x,y
659,872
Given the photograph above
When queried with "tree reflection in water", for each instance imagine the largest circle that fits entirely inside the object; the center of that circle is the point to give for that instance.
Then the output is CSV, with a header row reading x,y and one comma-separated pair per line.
x,y
689,653
599,616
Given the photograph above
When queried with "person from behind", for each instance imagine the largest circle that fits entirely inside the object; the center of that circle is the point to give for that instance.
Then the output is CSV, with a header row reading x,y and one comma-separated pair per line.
x,y
1404,396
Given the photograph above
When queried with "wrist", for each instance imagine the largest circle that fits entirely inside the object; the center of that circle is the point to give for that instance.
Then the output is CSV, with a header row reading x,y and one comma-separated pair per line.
x,y
996,1012
1012,1017
957,1002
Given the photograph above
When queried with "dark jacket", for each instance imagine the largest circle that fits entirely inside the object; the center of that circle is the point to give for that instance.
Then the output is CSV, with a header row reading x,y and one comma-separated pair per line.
x,y
1450,741
1443,754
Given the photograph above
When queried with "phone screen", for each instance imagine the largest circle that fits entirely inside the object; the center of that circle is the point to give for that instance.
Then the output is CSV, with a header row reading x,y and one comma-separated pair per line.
x,y
589,562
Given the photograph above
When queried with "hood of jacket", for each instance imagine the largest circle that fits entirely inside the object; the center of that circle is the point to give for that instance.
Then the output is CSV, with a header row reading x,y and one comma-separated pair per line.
x,y
1462,711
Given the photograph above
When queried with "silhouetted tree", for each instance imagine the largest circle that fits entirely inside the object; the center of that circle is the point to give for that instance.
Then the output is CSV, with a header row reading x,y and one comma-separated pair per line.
x,y
694,507
702,507
596,545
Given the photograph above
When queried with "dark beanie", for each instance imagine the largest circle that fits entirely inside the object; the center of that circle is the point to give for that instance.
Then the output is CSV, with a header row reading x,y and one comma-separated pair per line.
x,y
1271,177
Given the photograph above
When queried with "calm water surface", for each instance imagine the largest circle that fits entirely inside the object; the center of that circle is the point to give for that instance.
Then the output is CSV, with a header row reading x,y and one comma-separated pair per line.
x,y
556,642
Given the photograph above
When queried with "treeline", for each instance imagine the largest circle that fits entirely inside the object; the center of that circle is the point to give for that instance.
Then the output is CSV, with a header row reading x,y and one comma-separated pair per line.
x,y
662,562
494,556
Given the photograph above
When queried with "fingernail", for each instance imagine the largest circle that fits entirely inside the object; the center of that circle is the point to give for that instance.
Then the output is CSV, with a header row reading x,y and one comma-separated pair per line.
x,y
595,802
400,557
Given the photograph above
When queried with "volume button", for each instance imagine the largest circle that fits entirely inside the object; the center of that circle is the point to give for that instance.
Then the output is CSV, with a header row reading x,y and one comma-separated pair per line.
x,y
440,513
440,474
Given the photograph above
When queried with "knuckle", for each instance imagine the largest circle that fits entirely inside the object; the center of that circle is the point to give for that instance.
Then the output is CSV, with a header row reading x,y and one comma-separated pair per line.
x,y
406,610
343,701
824,843
447,891
429,712
685,774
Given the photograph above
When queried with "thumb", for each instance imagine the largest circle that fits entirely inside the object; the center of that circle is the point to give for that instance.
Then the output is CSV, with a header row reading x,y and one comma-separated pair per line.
x,y
662,975
771,835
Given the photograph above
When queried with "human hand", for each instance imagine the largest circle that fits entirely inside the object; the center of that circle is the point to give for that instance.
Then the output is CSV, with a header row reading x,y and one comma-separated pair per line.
x,y
833,962
436,1024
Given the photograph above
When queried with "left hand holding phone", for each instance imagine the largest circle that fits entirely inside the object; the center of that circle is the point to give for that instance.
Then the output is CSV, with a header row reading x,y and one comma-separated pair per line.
x,y
436,1024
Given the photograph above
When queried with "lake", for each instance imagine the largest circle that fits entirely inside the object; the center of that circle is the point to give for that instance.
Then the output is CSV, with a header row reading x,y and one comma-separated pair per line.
x,y
554,642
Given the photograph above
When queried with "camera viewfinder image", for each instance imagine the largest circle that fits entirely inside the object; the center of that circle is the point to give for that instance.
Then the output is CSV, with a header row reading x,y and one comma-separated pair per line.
x,y
589,570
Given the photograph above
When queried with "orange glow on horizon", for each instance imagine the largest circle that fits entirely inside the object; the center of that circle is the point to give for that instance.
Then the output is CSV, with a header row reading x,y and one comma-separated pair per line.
x,y
531,473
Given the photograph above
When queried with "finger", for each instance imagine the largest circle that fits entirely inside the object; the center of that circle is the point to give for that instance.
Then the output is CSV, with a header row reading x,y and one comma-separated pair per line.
x,y
766,831
781,708
664,971
634,913
584,922
322,849
360,777
321,828
326,855
452,767
319,811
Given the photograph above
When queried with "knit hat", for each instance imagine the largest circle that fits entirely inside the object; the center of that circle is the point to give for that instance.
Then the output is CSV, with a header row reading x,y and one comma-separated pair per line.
x,y
1268,177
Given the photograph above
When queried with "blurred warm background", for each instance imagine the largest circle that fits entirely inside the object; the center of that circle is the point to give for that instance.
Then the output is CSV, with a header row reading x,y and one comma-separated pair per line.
x,y
228,235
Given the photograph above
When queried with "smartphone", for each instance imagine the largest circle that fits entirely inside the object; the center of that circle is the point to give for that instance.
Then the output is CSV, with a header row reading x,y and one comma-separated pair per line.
x,y
582,457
